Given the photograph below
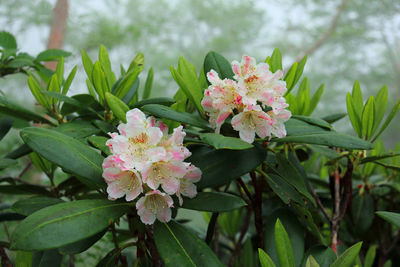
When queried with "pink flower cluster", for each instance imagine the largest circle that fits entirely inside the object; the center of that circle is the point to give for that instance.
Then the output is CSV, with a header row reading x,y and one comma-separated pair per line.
x,y
254,97
146,161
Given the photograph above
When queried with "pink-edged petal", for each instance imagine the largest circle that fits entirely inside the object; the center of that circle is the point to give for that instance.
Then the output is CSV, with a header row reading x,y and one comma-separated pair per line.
x,y
247,135
164,215
154,135
212,77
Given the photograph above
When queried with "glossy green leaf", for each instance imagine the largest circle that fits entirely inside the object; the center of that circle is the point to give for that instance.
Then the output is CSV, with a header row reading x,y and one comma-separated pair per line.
x,y
381,102
315,99
47,258
283,246
391,217
276,60
99,80
36,91
60,71
300,68
355,119
367,118
222,166
137,62
28,206
165,101
68,153
106,64
52,55
68,81
148,85
334,117
357,99
218,63
389,118
51,227
311,262
82,245
213,202
87,64
178,246
118,107
224,142
265,260
348,257
70,100
99,142
127,82
370,256
7,40
378,157
5,126
15,110
77,129
168,113
313,121
289,77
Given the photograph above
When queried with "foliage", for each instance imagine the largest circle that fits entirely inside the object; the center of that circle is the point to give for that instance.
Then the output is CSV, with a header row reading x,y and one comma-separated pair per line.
x,y
311,196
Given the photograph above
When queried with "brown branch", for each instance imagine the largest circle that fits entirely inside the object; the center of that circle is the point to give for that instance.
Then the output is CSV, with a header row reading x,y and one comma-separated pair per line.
x,y
244,187
324,37
257,205
319,204
243,232
155,256
58,29
5,260
336,211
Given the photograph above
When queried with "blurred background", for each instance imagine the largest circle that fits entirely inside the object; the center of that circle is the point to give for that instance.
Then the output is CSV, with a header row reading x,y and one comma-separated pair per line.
x,y
344,39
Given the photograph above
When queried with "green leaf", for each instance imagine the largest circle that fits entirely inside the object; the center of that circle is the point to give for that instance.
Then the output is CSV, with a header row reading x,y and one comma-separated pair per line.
x,y
7,40
370,256
348,257
283,246
70,100
137,62
311,262
283,189
60,71
110,260
180,247
222,166
47,258
381,102
52,227
37,91
54,86
325,256
315,99
68,81
367,118
15,110
5,126
127,82
224,142
99,80
77,129
289,78
168,113
265,260
165,101
389,118
314,121
334,117
68,153
357,99
186,77
52,55
148,85
24,259
378,157
391,217
30,205
87,65
99,142
276,60
213,202
362,209
216,62
82,245
106,64
5,163
118,107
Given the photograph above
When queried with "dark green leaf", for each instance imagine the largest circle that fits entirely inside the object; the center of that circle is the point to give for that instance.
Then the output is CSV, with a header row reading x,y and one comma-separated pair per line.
x,y
334,117
52,227
52,55
348,257
99,142
24,189
379,157
7,40
283,189
224,142
47,258
180,247
168,113
323,255
283,246
30,205
213,202
66,152
82,245
77,129
362,209
5,126
148,85
216,62
127,82
222,166
391,217
314,121
5,163
165,101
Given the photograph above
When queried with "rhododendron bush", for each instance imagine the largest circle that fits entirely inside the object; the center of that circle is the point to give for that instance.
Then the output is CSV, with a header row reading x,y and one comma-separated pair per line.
x,y
233,170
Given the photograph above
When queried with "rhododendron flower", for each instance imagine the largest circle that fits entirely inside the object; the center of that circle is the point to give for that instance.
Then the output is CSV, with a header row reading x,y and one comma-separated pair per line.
x,y
251,121
254,97
121,183
147,159
154,204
